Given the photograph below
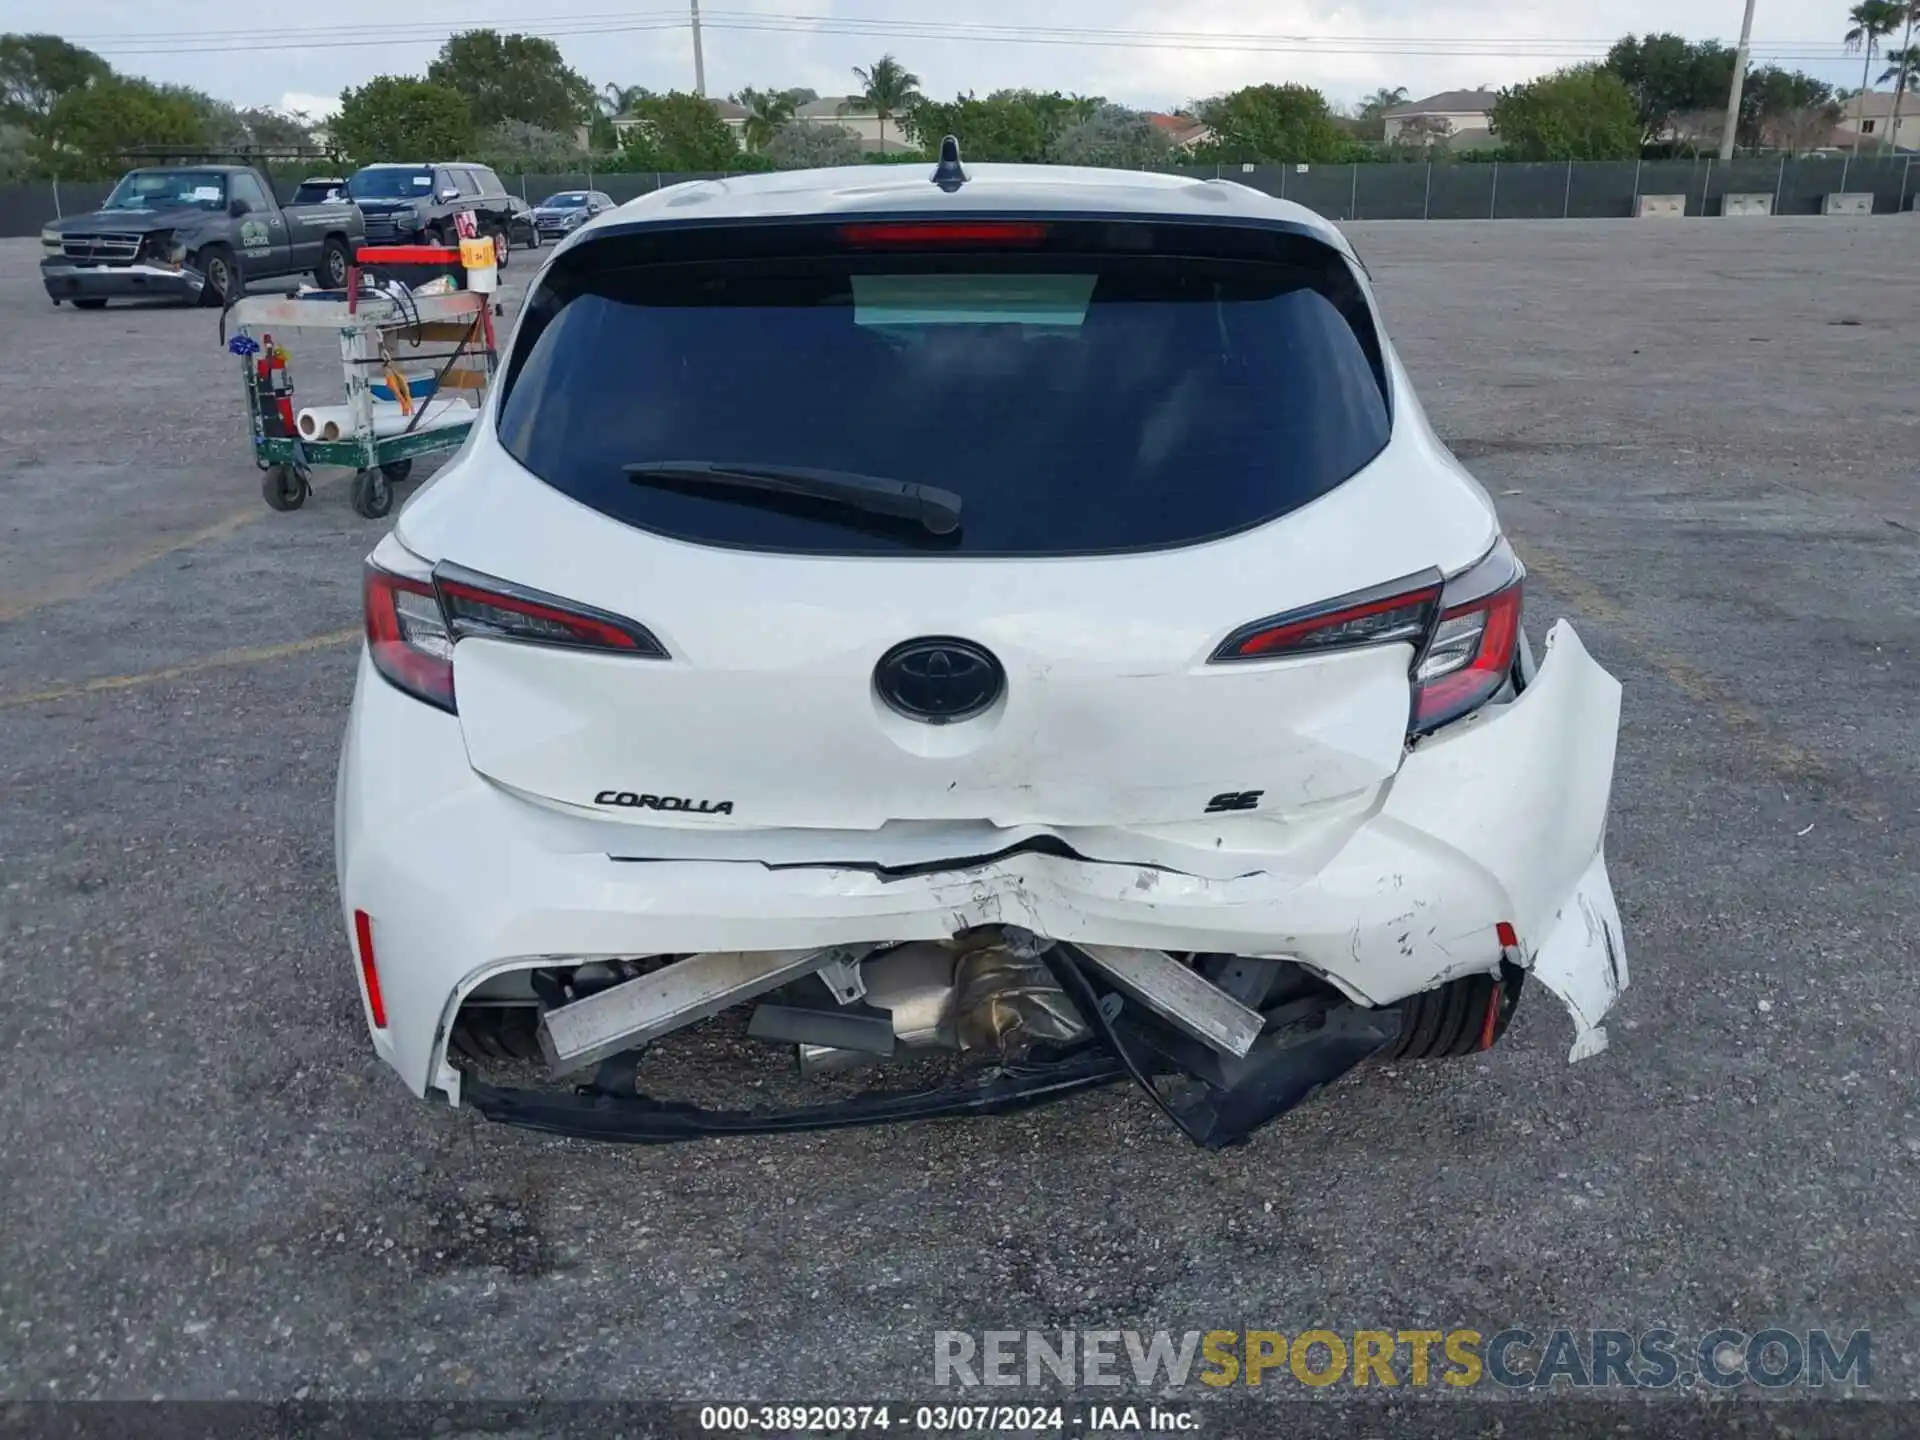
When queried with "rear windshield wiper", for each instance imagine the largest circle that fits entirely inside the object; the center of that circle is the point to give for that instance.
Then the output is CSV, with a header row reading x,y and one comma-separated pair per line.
x,y
938,510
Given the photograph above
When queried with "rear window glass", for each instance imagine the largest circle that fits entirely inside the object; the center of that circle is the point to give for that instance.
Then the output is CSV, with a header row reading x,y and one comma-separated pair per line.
x,y
1075,402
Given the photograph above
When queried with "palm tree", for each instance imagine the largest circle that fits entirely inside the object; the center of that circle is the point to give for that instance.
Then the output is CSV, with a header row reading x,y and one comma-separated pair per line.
x,y
886,89
767,111
1381,101
1082,107
1872,20
615,99
1900,72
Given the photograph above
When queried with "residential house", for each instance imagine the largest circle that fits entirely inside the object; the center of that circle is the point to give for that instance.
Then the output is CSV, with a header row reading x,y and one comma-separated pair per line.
x,y
1455,116
1183,132
849,112
734,115
1868,118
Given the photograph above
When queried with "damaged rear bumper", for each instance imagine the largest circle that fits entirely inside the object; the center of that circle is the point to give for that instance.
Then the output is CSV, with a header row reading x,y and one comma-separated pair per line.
x,y
1305,1047
1483,852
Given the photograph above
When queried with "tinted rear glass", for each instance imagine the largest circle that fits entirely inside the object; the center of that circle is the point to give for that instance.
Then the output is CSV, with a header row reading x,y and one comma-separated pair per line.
x,y
1076,402
394,184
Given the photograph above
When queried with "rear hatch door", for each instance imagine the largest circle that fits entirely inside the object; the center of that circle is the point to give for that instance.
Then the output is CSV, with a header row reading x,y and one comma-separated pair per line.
x,y
1153,439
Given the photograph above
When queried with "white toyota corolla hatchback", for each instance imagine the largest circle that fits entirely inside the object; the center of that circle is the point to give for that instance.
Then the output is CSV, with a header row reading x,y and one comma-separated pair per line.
x,y
1013,617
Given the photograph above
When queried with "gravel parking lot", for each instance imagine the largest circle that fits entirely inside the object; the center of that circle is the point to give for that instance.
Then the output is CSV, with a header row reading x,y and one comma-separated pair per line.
x,y
1702,437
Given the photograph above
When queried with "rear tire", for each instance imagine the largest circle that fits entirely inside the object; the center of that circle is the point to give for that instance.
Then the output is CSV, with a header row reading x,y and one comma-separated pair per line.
x,y
1462,1017
497,1032
331,272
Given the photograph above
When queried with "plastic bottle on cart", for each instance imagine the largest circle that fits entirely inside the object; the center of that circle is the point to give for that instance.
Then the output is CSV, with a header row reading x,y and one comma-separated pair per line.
x,y
482,264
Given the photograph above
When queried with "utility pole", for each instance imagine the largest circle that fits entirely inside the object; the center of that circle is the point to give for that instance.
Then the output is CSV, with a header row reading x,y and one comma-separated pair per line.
x,y
700,64
1733,95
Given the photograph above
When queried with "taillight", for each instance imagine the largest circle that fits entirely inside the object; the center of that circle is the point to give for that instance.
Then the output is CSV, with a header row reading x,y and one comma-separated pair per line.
x,y
1399,612
943,234
1470,655
407,636
479,605
413,625
1463,633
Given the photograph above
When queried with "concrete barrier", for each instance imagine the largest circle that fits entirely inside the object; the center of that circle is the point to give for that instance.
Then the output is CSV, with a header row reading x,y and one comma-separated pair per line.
x,y
1751,202
1848,202
1660,207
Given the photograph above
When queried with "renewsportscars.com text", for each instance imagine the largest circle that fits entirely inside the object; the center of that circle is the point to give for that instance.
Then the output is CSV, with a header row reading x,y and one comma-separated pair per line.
x,y
1517,1358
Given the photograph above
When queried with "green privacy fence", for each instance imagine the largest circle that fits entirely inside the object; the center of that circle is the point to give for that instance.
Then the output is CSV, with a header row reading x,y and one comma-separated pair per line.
x,y
1445,191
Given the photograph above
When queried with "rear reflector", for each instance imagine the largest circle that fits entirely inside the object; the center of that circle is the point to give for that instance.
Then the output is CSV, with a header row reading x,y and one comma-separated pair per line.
x,y
369,972
943,234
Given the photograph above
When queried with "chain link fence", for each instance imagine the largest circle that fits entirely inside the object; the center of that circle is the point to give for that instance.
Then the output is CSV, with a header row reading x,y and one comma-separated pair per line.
x,y
1443,191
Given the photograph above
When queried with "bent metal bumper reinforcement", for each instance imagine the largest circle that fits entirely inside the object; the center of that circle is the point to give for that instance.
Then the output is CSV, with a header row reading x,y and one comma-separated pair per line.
x,y
1231,1070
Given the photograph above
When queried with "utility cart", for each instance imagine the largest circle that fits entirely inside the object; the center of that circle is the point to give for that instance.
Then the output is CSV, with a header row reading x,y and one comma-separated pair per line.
x,y
416,367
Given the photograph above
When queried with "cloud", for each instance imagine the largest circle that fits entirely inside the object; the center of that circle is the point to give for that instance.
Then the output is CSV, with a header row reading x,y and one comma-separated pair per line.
x,y
1356,45
314,107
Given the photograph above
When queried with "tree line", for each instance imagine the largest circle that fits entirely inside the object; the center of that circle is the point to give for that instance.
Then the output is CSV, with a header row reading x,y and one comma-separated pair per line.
x,y
512,101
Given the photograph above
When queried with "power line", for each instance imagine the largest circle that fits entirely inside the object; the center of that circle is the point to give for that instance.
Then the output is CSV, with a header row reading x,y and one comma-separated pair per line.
x,y
602,24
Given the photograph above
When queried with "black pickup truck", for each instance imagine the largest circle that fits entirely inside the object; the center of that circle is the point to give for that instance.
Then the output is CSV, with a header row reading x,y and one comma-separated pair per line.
x,y
194,232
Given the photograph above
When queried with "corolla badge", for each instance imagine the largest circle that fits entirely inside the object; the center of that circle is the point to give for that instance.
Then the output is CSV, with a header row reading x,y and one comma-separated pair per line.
x,y
939,680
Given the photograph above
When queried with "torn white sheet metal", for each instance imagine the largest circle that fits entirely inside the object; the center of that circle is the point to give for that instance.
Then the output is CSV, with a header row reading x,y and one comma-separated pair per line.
x,y
1583,959
1522,790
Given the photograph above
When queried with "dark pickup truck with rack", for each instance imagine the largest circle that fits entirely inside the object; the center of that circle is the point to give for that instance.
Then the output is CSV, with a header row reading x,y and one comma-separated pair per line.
x,y
194,232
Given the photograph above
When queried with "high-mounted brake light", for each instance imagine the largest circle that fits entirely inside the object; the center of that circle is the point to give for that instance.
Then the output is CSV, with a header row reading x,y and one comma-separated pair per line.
x,y
1463,632
943,234
413,625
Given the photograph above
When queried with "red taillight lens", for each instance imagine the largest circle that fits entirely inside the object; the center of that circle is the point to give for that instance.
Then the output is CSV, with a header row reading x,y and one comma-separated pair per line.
x,y
1468,660
1397,613
407,636
413,625
1463,631
369,971
479,605
1470,655
943,234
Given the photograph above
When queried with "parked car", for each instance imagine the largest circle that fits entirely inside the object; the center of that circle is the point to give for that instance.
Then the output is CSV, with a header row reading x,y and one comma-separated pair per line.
x,y
194,232
1025,619
320,190
521,229
421,203
560,214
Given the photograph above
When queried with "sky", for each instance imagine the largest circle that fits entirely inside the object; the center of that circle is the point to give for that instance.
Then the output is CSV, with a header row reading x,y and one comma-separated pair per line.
x,y
1346,48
